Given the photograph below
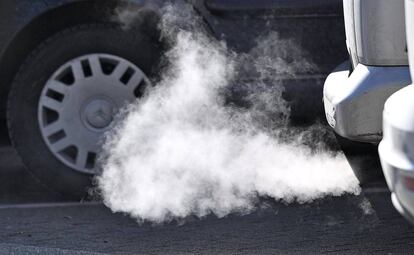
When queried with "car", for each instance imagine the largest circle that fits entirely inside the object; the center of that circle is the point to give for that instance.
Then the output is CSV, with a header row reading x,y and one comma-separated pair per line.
x,y
397,146
67,67
355,92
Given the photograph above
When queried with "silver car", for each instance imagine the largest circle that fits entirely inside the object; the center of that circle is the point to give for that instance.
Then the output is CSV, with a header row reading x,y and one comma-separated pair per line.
x,y
397,147
354,93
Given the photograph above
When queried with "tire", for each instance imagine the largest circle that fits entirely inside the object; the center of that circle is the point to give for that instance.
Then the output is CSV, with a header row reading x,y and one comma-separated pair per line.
x,y
364,161
26,91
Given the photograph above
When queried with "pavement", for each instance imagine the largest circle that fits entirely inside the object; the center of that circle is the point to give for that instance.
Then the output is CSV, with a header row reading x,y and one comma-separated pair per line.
x,y
34,220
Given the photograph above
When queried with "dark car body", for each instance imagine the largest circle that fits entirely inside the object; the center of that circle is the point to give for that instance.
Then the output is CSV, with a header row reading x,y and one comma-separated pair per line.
x,y
315,26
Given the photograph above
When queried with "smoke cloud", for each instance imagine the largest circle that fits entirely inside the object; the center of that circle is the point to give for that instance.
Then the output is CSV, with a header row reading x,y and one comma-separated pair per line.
x,y
184,149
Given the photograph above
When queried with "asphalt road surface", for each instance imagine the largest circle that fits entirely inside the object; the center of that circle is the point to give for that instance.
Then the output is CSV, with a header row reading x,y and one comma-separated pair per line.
x,y
34,220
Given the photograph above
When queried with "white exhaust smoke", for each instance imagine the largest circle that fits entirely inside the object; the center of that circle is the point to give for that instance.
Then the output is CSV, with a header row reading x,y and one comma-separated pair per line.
x,y
183,151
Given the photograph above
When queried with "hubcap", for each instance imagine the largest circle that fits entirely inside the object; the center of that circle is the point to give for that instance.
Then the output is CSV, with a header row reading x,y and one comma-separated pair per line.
x,y
79,102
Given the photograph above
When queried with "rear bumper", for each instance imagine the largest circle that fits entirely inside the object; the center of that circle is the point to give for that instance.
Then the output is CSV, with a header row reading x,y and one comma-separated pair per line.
x,y
394,172
353,103
402,198
397,204
396,150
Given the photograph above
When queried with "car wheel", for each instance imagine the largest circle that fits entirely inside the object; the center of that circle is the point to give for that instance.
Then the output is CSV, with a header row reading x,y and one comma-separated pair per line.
x,y
364,161
65,96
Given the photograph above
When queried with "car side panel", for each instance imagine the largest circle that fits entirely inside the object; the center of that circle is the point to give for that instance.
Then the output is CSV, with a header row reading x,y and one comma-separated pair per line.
x,y
315,27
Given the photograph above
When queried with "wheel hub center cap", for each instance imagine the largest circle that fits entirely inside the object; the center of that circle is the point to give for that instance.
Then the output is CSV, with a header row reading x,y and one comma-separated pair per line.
x,y
79,103
99,113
